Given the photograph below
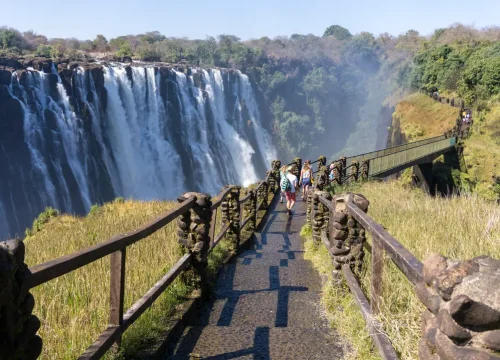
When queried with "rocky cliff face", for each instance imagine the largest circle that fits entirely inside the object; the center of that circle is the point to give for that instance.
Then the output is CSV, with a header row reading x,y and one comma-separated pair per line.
x,y
77,133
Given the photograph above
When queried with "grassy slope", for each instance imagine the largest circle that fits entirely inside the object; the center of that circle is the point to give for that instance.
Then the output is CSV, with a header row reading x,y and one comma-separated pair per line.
x,y
458,227
80,300
422,117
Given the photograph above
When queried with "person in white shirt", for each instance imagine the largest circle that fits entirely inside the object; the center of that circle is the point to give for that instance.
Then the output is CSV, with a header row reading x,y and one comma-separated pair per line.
x,y
290,195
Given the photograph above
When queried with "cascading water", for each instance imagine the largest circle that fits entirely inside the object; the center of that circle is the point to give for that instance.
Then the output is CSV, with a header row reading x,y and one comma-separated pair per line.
x,y
91,134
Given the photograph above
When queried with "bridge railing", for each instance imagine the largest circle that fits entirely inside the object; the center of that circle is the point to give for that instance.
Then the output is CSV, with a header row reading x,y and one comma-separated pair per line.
x,y
448,289
196,217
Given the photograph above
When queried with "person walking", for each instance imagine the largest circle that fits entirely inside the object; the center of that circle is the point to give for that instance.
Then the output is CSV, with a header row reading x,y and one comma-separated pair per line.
x,y
305,178
288,185
282,175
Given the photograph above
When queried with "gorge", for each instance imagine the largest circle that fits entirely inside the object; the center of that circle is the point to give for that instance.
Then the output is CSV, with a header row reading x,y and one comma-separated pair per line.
x,y
73,135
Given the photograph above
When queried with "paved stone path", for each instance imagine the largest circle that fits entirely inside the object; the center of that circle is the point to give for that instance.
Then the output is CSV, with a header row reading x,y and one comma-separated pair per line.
x,y
267,303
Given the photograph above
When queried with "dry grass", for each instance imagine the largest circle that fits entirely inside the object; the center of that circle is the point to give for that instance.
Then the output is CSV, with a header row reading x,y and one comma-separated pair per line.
x,y
457,227
422,117
74,309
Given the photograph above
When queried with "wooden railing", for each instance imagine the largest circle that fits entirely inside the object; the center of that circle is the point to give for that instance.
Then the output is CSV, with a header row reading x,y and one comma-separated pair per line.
x,y
341,224
191,206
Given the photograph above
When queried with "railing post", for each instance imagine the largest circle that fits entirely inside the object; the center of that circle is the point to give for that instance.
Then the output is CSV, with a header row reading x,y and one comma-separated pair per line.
x,y
322,178
348,238
343,161
376,280
317,218
354,171
321,161
462,320
297,166
18,327
117,290
193,232
365,169
274,178
249,210
230,208
262,194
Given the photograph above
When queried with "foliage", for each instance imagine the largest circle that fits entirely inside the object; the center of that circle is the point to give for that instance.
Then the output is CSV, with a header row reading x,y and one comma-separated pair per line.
x,y
338,32
41,220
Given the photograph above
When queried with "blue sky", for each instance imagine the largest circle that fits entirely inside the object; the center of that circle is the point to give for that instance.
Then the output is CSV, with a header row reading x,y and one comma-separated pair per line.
x,y
84,19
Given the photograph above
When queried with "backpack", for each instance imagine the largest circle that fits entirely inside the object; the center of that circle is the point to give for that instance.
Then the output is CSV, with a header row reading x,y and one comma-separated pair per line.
x,y
285,184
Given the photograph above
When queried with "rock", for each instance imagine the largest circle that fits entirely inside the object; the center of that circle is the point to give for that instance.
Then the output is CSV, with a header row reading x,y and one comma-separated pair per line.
x,y
428,326
12,63
434,264
340,217
431,301
339,235
452,276
450,328
334,251
361,202
424,352
487,264
447,350
490,339
468,312
5,77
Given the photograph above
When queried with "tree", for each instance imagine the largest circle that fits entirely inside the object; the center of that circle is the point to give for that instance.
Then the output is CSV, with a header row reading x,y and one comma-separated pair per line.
x,y
339,32
101,44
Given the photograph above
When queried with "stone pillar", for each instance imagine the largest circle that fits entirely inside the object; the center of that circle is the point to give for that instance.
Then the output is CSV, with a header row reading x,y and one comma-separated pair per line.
x,y
321,161
343,161
365,169
18,327
462,320
337,172
297,166
193,231
322,178
354,171
230,208
452,102
249,210
347,237
262,193
320,215
274,179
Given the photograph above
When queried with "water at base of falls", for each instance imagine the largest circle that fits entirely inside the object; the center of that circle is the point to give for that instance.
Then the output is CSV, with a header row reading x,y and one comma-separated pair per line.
x,y
136,132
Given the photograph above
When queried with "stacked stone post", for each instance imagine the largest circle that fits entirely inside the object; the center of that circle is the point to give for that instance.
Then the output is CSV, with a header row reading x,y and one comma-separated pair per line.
x,y
249,210
347,237
337,172
262,193
231,215
365,168
274,179
462,320
320,215
193,232
354,171
297,166
343,162
321,161
322,178
18,326
452,102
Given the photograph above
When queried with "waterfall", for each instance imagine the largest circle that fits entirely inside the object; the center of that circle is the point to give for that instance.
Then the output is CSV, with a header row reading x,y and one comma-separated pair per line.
x,y
138,131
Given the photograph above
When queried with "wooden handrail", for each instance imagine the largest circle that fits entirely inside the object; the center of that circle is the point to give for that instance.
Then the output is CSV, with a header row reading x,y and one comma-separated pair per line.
x,y
116,247
409,265
54,268
380,338
112,333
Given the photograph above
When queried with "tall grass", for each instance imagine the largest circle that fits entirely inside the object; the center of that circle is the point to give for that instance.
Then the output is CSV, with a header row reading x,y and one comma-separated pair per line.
x,y
457,227
74,308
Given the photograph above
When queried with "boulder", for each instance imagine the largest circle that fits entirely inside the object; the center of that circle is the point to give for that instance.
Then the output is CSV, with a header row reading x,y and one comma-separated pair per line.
x,y
10,62
5,77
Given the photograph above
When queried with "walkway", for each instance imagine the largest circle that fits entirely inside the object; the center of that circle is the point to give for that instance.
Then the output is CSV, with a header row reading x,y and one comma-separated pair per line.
x,y
267,303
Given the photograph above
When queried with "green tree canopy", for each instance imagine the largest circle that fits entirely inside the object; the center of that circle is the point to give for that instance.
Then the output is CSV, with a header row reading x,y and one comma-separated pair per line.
x,y
339,32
